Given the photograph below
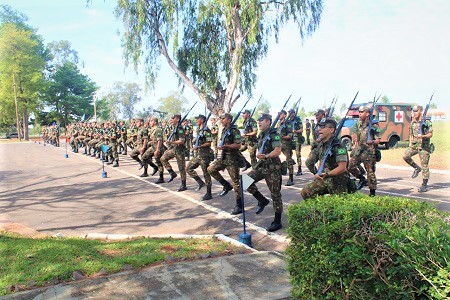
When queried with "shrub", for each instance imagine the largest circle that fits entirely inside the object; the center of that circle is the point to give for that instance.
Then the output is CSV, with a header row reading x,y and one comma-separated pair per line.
x,y
357,247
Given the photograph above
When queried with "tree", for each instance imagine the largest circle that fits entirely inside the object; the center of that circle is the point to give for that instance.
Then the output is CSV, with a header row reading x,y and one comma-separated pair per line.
x,y
122,98
22,62
263,107
69,94
62,52
103,109
385,99
145,112
173,104
216,45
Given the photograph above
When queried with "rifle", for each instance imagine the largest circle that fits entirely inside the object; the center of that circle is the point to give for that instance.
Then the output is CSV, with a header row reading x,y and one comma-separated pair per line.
x,y
297,105
162,114
423,123
331,108
253,111
334,139
370,127
180,122
205,126
272,126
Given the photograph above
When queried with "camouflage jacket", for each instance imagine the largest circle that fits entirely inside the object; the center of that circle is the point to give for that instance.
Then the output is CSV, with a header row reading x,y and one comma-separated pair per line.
x,y
419,143
362,130
284,129
338,154
274,141
250,126
203,138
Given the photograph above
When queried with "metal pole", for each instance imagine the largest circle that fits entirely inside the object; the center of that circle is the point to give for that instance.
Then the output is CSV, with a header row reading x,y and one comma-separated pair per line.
x,y
95,108
17,109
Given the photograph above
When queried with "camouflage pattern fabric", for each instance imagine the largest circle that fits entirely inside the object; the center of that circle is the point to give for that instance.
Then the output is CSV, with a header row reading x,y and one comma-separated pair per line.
x,y
284,129
177,151
331,185
203,157
365,153
250,142
419,146
297,138
269,169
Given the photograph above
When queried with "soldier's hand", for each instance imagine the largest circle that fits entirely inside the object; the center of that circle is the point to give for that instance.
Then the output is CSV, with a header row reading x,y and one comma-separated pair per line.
x,y
156,153
320,177
260,156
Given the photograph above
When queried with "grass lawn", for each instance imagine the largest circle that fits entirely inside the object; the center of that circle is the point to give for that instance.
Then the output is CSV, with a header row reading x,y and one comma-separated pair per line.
x,y
52,260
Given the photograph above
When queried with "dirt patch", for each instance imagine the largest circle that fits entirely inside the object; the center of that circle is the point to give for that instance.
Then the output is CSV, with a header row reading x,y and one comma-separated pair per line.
x,y
20,229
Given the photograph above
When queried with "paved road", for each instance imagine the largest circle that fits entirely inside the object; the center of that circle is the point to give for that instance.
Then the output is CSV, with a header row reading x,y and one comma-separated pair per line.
x,y
50,193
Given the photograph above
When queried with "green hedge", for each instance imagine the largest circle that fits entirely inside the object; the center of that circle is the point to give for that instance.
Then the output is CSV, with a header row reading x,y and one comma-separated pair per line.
x,y
357,247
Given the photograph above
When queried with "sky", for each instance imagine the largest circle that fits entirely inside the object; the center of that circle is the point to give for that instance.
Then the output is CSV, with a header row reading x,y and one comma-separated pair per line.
x,y
397,48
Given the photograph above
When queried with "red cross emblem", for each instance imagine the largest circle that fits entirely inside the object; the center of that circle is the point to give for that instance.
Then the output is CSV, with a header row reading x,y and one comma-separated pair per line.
x,y
399,116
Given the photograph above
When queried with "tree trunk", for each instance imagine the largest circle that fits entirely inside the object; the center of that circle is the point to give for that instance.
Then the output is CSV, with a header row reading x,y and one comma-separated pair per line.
x,y
25,124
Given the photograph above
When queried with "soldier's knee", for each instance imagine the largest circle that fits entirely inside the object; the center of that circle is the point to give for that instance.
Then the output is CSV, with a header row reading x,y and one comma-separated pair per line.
x,y
306,193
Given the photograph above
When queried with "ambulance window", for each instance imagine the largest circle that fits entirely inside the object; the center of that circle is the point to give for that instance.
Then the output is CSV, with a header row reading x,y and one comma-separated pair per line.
x,y
382,116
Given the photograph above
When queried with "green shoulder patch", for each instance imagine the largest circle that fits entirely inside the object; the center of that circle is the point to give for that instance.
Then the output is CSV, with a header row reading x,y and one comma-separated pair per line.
x,y
341,151
276,138
237,136
180,131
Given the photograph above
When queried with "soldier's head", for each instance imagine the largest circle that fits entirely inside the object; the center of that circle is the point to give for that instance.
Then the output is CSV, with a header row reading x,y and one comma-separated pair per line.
x,y
175,119
122,123
264,121
417,111
327,127
283,114
364,112
200,119
291,113
246,114
225,119
153,121
320,114
139,122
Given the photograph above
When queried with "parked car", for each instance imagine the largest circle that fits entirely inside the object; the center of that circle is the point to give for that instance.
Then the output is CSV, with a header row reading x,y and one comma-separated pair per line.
x,y
13,135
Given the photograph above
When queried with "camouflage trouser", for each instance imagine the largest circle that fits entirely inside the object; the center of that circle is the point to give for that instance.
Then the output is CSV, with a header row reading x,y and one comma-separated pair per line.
x,y
424,159
298,153
367,157
331,185
149,154
202,161
290,162
92,143
86,142
214,145
74,143
308,134
113,151
251,147
122,143
233,171
179,155
312,158
188,145
273,181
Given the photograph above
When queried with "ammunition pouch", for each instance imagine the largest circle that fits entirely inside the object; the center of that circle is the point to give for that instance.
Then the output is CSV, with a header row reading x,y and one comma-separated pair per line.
x,y
377,155
302,139
432,148
284,168
351,186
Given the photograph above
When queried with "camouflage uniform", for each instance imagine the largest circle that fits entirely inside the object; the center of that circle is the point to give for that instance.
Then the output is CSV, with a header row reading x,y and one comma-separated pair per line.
x,y
313,154
329,185
284,129
268,169
112,144
365,153
177,151
230,160
308,132
142,134
214,136
420,146
297,140
122,141
249,143
155,135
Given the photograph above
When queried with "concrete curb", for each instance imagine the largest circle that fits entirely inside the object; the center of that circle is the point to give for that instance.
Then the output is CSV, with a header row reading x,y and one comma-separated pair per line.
x,y
226,239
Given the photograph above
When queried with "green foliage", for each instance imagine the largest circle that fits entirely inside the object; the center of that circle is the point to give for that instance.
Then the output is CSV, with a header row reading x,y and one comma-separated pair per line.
x,y
385,99
122,98
173,104
62,52
357,247
69,94
221,42
42,260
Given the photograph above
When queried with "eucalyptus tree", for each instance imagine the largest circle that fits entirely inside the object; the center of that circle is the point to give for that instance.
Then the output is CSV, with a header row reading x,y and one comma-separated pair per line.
x,y
122,99
213,46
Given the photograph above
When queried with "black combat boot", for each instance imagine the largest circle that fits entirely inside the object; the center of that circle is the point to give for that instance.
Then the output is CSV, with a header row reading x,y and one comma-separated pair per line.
x,y
98,154
416,172
238,208
362,182
110,162
116,164
262,202
145,174
182,186
172,175
199,182
226,187
155,168
208,195
161,178
85,151
291,180
299,172
247,166
276,224
372,193
424,187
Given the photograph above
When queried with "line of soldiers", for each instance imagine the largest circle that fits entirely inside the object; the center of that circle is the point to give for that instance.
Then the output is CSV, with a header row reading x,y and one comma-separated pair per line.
x,y
50,134
265,142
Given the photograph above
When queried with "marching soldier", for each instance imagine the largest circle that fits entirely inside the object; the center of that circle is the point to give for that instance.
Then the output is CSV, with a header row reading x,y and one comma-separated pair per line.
x,y
268,168
335,178
250,139
285,131
308,132
214,134
177,150
312,157
204,156
155,149
112,138
364,150
141,144
230,160
298,139
419,144
122,141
